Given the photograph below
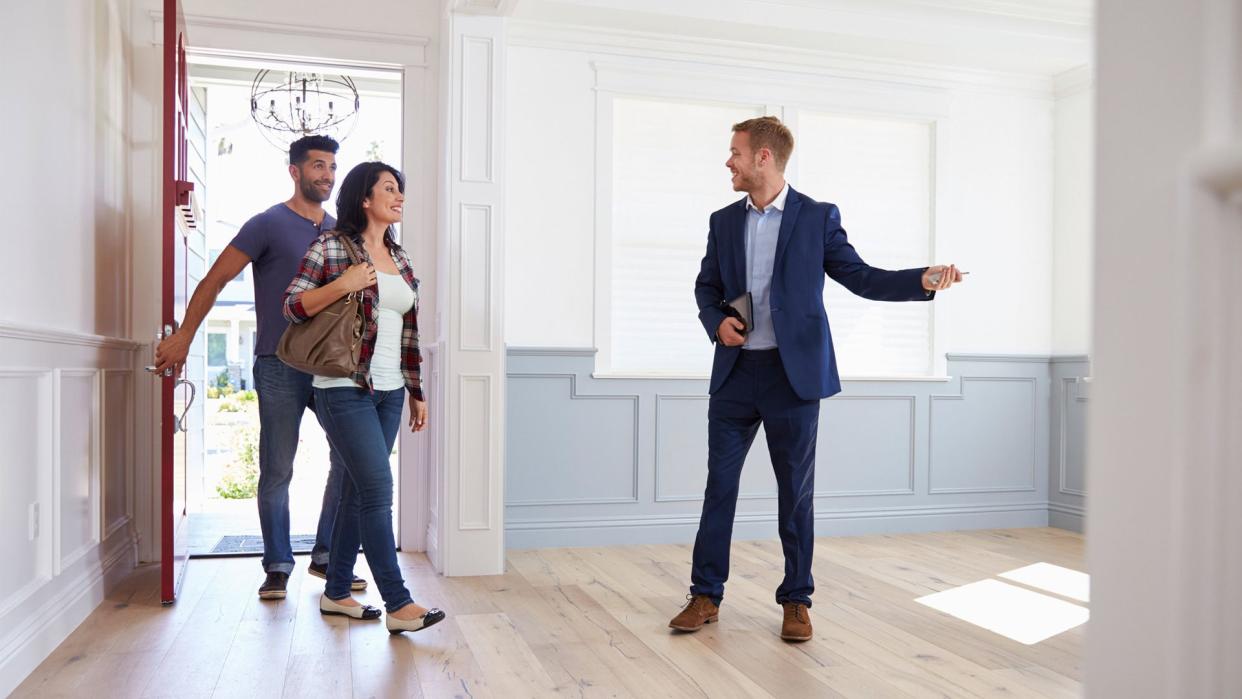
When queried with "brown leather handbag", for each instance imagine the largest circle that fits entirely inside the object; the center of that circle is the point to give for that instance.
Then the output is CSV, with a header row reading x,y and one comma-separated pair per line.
x,y
330,343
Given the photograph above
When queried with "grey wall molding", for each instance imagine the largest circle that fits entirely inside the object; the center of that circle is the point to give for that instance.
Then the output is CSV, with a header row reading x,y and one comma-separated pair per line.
x,y
1067,472
551,352
623,460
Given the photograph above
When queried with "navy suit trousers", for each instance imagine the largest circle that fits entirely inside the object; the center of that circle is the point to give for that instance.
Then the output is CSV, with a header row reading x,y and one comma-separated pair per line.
x,y
758,392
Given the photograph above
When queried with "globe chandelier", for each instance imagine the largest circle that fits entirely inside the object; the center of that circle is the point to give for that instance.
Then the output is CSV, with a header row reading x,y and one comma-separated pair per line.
x,y
287,105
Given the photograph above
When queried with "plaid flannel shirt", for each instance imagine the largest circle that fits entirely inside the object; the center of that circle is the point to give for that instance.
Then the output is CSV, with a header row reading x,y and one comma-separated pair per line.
x,y
325,260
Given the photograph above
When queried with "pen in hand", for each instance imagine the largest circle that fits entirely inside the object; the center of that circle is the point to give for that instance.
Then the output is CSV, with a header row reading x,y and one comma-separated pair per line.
x,y
935,277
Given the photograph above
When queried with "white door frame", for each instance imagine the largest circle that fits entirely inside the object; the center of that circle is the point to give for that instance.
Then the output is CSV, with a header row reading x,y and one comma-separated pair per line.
x,y
409,54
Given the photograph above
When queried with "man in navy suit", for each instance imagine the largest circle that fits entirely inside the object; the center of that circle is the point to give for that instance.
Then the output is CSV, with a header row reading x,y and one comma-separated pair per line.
x,y
776,244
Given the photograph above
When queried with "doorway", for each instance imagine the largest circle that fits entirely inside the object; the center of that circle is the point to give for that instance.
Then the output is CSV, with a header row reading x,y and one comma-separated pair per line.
x,y
240,169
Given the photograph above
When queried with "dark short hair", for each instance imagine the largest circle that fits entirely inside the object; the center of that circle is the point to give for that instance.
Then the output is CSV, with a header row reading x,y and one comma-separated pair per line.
x,y
351,218
300,149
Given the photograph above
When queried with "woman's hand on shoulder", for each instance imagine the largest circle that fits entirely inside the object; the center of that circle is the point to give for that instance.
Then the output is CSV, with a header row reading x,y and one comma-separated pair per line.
x,y
357,277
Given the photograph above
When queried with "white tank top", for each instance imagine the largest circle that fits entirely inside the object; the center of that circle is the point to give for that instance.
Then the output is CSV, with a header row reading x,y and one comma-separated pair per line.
x,y
396,298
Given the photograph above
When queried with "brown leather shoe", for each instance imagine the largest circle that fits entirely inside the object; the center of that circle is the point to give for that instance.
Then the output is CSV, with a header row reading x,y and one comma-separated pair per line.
x,y
699,610
797,626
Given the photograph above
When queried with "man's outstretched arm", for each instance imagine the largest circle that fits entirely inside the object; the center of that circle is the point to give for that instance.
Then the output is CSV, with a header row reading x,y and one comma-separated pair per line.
x,y
171,352
844,265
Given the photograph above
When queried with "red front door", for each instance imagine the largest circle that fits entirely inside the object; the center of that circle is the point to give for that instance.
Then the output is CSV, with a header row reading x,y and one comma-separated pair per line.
x,y
177,394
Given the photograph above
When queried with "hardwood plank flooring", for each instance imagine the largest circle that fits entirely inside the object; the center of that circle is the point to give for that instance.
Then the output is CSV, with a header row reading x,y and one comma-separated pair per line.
x,y
584,622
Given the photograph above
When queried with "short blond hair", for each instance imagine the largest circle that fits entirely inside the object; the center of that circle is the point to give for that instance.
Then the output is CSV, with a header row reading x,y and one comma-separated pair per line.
x,y
768,132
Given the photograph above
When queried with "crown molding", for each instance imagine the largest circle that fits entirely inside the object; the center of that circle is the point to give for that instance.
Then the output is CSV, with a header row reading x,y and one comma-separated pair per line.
x,y
666,48
500,8
1074,81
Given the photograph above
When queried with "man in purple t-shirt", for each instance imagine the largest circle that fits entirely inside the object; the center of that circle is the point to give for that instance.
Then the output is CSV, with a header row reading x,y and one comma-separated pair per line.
x,y
274,241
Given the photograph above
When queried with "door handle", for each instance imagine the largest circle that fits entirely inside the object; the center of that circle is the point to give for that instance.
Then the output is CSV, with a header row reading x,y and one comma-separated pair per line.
x,y
169,329
179,425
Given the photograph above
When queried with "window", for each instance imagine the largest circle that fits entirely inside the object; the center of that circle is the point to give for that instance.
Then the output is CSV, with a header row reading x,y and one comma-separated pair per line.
x,y
668,175
217,349
878,172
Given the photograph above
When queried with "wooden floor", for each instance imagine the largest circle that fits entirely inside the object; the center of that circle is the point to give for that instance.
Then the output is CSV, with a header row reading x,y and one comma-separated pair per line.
x,y
583,622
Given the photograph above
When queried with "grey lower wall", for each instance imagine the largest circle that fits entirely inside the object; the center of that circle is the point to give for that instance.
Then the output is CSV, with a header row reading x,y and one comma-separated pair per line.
x,y
608,461
1067,473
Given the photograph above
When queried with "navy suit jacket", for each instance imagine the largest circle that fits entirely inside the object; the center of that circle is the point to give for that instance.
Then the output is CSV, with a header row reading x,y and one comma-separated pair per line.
x,y
811,242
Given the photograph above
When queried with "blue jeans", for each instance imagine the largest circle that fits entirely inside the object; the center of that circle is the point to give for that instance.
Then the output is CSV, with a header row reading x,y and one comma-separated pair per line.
x,y
362,428
757,391
284,394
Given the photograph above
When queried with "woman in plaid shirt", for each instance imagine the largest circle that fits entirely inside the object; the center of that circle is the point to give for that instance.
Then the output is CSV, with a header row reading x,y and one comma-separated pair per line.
x,y
362,413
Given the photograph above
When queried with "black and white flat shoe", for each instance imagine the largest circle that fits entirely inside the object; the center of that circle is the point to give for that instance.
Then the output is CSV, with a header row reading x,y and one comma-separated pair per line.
x,y
362,611
395,625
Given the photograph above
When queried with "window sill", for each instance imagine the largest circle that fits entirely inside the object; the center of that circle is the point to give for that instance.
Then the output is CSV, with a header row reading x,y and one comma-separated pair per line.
x,y
705,377
649,375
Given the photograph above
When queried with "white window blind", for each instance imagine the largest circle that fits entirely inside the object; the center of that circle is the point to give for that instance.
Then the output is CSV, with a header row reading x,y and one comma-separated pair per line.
x,y
879,173
668,176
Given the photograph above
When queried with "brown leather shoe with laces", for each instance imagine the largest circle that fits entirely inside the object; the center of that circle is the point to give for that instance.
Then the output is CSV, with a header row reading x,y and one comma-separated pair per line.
x,y
699,610
797,626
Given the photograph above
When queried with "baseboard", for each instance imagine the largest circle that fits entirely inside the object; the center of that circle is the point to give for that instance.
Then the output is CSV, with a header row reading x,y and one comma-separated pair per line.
x,y
1065,516
58,609
681,529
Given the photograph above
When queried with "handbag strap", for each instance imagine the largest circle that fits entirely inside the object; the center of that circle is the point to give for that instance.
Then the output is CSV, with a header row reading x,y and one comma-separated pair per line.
x,y
355,257
348,243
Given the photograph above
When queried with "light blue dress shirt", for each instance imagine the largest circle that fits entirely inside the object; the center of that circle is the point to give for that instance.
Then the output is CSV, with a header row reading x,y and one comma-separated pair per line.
x,y
762,229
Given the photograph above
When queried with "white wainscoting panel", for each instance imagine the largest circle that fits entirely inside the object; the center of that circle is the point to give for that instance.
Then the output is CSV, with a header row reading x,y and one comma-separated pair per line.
x,y
66,426
476,279
77,466
117,399
474,510
26,420
478,93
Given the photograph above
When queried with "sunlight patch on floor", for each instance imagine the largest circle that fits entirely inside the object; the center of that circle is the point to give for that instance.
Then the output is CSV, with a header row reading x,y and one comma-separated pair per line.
x,y
1054,579
1011,611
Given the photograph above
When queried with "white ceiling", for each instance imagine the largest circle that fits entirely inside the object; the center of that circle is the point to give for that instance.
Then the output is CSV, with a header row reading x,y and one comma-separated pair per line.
x,y
1038,37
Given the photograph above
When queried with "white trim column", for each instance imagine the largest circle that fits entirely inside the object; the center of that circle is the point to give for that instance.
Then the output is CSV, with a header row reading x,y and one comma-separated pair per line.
x,y
466,533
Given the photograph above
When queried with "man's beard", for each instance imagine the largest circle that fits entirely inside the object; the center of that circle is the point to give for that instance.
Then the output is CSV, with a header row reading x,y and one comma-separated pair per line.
x,y
311,192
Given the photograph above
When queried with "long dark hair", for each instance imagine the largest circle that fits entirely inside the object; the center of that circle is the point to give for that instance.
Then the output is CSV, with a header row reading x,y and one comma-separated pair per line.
x,y
351,218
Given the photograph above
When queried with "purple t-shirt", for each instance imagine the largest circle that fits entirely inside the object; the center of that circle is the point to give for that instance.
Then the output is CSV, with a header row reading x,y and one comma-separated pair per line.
x,y
275,242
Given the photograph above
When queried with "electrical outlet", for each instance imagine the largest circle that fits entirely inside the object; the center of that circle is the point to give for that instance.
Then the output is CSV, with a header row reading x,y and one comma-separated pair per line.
x,y
33,527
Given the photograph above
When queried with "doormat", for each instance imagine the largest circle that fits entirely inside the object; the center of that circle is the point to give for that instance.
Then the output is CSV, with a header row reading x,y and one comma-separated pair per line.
x,y
253,543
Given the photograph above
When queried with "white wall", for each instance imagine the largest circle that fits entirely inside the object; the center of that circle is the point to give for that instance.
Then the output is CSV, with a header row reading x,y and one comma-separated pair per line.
x,y
995,202
64,116
549,266
998,192
67,369
1073,213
